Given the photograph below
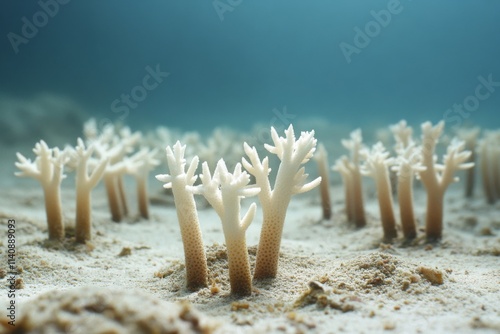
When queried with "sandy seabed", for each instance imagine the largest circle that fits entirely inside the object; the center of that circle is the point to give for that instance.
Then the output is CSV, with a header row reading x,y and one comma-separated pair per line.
x,y
332,277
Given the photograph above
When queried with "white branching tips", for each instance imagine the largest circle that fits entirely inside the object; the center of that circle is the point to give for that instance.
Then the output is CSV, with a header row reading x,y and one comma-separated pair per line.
x,y
321,158
436,178
403,134
377,166
224,192
290,180
407,165
84,185
179,180
355,145
48,170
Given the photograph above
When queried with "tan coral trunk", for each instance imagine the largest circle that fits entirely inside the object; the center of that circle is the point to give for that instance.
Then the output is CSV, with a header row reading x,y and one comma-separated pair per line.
x,y
239,267
194,254
142,198
358,207
83,222
54,214
266,265
325,188
123,197
434,219
470,175
405,199
385,204
113,200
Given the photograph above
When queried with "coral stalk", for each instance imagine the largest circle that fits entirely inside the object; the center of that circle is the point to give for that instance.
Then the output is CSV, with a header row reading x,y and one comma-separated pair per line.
x,y
289,181
84,185
342,166
179,179
224,192
437,178
470,138
407,164
354,145
377,166
48,170
321,158
144,161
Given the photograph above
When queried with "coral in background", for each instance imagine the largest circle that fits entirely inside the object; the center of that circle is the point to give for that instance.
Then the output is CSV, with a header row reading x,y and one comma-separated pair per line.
x,y
84,185
407,165
145,161
436,178
114,147
469,135
290,180
321,158
489,154
376,165
355,145
342,167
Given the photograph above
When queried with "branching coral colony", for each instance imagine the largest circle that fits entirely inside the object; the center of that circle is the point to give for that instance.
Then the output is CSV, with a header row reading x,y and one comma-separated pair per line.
x,y
48,170
436,178
179,179
224,191
289,181
105,155
411,160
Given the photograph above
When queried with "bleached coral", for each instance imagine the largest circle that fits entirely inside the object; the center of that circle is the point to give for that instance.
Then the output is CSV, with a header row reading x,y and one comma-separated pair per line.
x,y
469,135
436,178
179,179
407,165
290,180
489,154
224,192
84,185
321,158
114,145
342,167
377,162
141,163
48,170
355,145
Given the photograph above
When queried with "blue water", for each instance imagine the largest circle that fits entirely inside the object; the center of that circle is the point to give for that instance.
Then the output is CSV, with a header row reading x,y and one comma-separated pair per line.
x,y
232,62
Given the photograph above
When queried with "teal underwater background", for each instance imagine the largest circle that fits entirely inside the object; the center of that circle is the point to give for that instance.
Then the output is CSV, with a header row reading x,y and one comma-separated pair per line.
x,y
202,64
